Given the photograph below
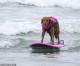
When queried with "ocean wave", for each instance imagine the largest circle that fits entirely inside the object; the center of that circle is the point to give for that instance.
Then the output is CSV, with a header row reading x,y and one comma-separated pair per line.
x,y
18,42
46,3
25,28
11,43
4,43
29,33
15,28
76,46
70,28
76,49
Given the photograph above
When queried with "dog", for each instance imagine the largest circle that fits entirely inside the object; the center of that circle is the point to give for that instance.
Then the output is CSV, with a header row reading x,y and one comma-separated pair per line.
x,y
51,26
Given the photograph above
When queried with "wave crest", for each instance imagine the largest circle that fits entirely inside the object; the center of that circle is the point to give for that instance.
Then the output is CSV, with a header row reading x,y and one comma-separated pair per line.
x,y
46,3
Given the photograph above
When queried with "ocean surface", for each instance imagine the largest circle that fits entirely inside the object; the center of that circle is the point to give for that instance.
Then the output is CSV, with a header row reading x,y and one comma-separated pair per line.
x,y
20,25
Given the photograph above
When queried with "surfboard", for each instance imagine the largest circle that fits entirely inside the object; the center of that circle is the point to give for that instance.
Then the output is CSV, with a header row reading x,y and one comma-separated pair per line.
x,y
46,45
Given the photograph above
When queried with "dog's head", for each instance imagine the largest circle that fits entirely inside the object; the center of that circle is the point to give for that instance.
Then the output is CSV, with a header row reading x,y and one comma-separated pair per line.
x,y
46,21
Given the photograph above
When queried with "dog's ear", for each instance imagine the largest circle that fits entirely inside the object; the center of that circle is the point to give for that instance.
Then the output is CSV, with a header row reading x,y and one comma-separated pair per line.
x,y
50,20
41,21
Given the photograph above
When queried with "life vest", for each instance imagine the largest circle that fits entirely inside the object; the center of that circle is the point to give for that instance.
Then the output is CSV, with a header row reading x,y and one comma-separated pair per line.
x,y
53,24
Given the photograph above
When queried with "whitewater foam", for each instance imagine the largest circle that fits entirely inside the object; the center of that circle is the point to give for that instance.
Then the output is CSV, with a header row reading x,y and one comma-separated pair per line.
x,y
13,28
44,3
17,21
6,44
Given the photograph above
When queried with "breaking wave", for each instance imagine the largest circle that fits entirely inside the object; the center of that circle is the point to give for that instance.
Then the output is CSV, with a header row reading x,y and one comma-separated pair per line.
x,y
46,3
23,28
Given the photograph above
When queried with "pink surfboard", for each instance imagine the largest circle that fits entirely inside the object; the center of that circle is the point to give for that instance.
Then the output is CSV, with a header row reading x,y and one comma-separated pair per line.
x,y
47,45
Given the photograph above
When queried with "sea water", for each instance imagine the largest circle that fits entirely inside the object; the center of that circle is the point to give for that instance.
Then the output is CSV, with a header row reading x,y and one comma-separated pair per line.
x,y
20,25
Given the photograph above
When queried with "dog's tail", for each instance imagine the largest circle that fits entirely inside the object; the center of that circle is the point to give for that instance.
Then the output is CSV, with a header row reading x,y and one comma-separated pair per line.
x,y
56,34
57,31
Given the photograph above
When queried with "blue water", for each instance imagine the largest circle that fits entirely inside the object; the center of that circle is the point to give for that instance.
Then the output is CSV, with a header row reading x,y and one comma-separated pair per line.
x,y
20,25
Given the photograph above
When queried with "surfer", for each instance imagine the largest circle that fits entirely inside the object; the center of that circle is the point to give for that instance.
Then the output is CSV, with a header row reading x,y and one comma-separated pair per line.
x,y
51,26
